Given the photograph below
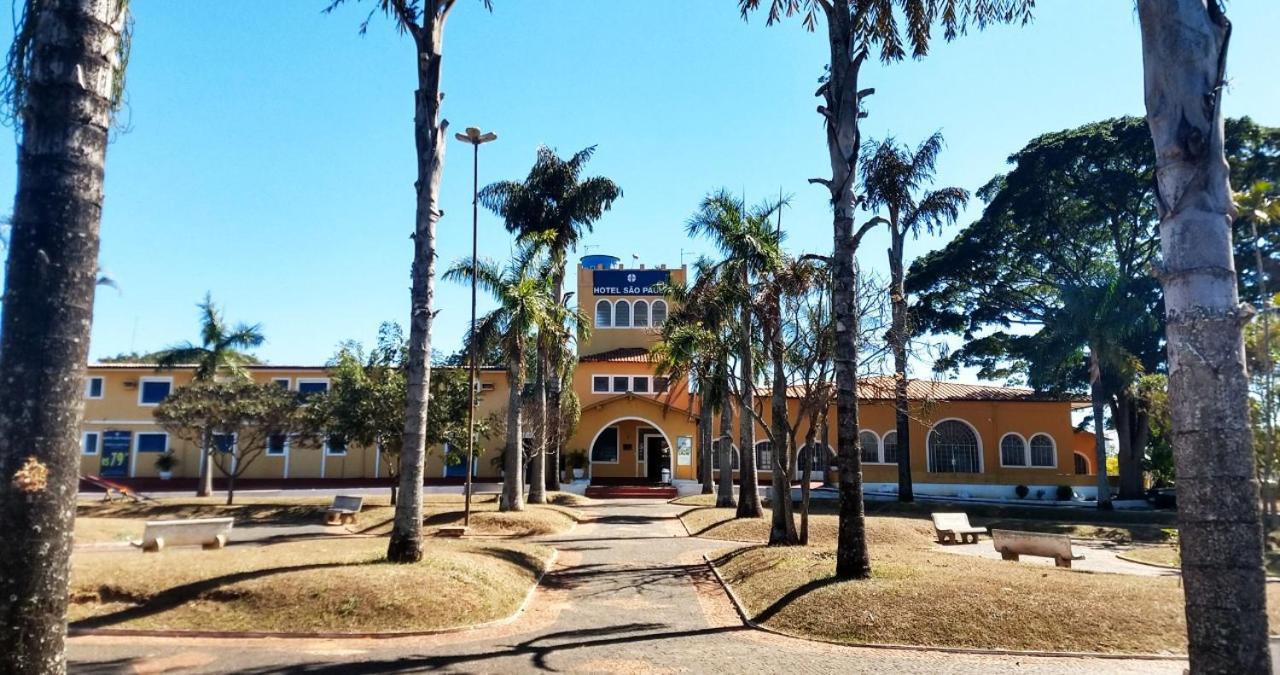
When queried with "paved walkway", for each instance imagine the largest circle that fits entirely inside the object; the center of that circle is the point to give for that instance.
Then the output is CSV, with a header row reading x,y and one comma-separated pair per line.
x,y
630,594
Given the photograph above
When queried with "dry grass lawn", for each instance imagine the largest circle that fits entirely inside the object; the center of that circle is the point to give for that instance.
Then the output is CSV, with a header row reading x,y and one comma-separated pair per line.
x,y
337,585
919,595
98,521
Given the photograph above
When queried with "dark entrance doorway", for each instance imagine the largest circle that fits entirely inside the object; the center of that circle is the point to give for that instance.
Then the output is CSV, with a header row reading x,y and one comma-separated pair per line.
x,y
658,457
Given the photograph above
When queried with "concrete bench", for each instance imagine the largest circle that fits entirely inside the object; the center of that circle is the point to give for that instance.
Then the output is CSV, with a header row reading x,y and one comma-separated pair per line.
x,y
210,533
345,509
1012,544
948,525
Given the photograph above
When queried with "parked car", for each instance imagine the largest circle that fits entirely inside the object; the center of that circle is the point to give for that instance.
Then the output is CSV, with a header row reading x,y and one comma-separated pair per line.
x,y
1163,498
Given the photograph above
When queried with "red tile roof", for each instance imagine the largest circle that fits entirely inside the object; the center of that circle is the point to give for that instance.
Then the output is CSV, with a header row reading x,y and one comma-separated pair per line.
x,y
881,388
622,355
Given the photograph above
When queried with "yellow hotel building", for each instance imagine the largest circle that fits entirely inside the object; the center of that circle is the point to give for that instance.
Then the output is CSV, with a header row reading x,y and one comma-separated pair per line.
x,y
966,440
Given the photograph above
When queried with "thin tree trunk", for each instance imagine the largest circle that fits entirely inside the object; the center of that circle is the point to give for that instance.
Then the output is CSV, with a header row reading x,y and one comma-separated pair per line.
x,y
537,472
1130,424
205,488
841,110
898,340
724,498
1098,400
429,137
513,458
555,413
1184,48
48,310
782,529
231,488
810,438
704,442
748,481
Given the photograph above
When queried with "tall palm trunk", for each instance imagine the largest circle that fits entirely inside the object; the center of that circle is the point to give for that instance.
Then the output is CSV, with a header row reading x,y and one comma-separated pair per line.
x,y
48,311
555,413
1132,432
1184,48
724,497
841,96
538,468
782,528
429,141
704,441
513,457
748,482
1098,400
898,340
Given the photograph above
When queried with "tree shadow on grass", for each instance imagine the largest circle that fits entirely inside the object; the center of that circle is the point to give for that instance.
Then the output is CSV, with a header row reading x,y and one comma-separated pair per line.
x,y
522,559
179,595
791,596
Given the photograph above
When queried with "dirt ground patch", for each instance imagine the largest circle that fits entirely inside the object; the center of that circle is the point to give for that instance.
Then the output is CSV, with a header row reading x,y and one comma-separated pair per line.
x,y
922,596
335,585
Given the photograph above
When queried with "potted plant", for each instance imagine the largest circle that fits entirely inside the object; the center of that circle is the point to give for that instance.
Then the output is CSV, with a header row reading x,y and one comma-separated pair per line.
x,y
578,462
165,464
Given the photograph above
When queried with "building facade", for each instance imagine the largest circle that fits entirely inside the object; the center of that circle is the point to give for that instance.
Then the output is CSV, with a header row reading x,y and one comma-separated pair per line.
x,y
635,426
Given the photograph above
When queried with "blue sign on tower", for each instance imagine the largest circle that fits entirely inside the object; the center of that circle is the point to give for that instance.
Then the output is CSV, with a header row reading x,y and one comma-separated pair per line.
x,y
628,282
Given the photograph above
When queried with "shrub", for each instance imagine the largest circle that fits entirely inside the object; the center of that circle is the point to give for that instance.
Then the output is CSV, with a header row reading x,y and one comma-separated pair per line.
x,y
1065,493
1022,491
166,462
578,459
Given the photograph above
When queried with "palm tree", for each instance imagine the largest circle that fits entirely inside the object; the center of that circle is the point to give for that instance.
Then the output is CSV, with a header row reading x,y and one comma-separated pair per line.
x,y
65,79
893,177
751,247
555,206
424,22
525,304
1184,49
219,353
854,28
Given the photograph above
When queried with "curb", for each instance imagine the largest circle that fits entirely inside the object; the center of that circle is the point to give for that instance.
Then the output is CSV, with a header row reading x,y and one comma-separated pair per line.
x,y
72,631
1135,561
746,620
691,535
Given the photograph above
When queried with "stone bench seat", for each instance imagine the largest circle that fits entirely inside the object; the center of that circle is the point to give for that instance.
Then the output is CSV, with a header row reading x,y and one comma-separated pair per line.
x,y
345,509
1011,544
948,526
209,533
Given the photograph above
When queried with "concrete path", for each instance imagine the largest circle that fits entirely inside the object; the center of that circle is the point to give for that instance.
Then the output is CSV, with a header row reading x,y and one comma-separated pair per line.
x,y
630,594
1099,556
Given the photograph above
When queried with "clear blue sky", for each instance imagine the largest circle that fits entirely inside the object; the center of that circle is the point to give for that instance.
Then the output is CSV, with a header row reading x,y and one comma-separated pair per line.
x,y
269,157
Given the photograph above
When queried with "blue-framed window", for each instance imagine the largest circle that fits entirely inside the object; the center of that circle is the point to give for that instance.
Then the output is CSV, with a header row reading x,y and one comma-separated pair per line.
x,y
153,442
93,387
335,444
276,444
89,445
224,442
152,392
312,387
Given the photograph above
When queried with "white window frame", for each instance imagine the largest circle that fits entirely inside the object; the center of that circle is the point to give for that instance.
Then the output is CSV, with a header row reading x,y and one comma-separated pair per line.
x,y
1026,452
97,443
311,380
137,442
634,322
756,456
266,452
653,304
883,458
879,446
616,305
235,442
88,387
617,456
288,382
928,456
613,380
596,320
142,381
328,452
648,385
1053,443
608,384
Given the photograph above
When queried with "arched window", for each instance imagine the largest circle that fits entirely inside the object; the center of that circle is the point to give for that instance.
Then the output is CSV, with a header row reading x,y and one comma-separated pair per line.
x,y
821,459
605,449
659,313
870,444
764,456
640,314
715,456
1013,451
1042,451
1082,464
890,445
953,448
622,314
604,314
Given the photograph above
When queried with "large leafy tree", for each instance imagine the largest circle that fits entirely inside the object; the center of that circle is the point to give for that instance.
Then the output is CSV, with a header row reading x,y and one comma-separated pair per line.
x,y
553,207
896,180
219,352
245,413
523,292
63,80
1184,50
424,22
856,28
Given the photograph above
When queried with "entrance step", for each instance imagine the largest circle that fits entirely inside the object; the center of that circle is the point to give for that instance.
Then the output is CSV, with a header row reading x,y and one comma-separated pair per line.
x,y
632,492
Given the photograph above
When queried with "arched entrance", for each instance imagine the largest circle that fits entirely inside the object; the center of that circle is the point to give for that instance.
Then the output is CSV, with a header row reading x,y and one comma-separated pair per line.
x,y
631,449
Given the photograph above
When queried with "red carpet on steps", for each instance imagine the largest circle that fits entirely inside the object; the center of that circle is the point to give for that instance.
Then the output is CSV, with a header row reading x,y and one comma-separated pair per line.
x,y
632,492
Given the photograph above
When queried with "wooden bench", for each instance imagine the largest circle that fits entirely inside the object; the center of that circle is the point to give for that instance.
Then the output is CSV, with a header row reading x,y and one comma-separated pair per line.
x,y
345,509
109,487
1012,544
452,531
948,525
209,533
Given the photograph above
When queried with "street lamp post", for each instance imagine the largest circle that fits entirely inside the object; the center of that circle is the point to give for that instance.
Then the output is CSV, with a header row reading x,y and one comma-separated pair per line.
x,y
476,139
